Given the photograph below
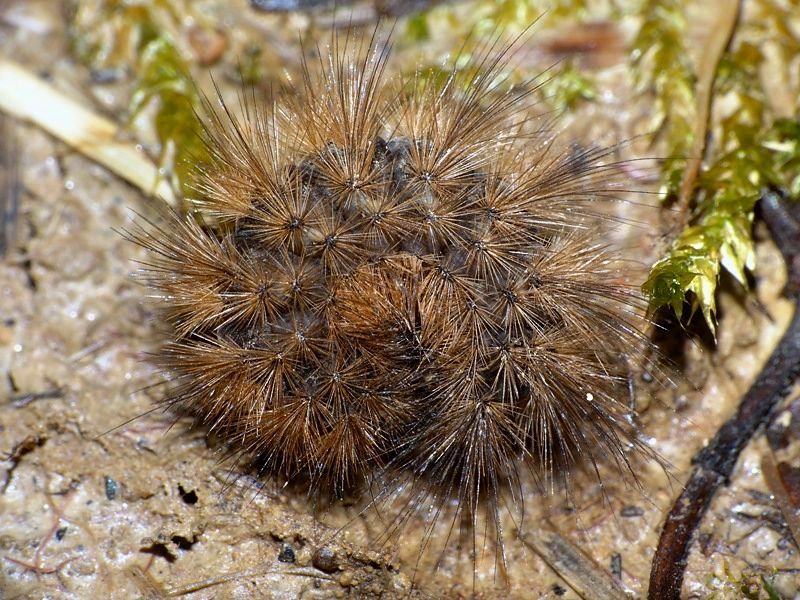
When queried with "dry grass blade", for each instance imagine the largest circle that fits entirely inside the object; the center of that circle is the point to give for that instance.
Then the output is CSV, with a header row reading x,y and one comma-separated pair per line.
x,y
26,97
580,572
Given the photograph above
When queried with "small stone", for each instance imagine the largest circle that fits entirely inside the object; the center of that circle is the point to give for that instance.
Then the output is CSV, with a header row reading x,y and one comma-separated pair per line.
x,y
208,44
631,511
324,559
111,486
286,555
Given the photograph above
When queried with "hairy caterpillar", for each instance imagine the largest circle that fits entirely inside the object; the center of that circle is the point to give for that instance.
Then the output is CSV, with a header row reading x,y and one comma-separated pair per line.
x,y
406,286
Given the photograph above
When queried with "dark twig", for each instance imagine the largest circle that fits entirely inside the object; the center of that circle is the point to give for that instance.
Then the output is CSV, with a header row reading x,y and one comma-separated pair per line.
x,y
22,400
10,185
714,463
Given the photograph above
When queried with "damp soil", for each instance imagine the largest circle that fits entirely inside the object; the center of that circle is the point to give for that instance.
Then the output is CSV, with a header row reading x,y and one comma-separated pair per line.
x,y
101,496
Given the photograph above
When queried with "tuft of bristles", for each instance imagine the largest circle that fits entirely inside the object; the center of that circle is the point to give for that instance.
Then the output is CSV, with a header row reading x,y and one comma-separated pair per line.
x,y
403,279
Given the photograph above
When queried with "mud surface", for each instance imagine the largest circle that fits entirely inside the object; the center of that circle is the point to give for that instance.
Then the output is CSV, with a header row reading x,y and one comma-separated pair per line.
x,y
101,497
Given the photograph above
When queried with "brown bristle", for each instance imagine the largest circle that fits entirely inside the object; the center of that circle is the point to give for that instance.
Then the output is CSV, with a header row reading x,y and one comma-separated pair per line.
x,y
404,280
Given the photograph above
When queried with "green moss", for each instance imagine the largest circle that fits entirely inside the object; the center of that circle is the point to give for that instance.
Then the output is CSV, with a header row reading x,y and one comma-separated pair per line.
x,y
564,86
661,65
749,585
750,150
568,87
135,37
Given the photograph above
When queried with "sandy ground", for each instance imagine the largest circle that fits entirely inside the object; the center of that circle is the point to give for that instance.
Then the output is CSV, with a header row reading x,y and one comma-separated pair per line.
x,y
92,505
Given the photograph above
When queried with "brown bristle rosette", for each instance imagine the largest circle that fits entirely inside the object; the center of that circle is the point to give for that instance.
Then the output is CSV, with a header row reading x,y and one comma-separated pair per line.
x,y
404,281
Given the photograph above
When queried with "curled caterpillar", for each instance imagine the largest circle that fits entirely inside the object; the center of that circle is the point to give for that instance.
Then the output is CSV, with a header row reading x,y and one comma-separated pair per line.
x,y
405,280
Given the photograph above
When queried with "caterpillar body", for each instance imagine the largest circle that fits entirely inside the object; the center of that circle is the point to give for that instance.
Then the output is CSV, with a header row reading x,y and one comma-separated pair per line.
x,y
404,281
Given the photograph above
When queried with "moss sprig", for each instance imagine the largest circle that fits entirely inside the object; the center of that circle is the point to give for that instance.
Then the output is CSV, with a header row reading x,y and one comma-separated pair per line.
x,y
751,150
563,86
140,38
661,63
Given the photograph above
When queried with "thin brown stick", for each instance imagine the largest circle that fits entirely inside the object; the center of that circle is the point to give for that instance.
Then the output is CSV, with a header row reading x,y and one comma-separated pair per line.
x,y
774,474
574,566
715,462
722,29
